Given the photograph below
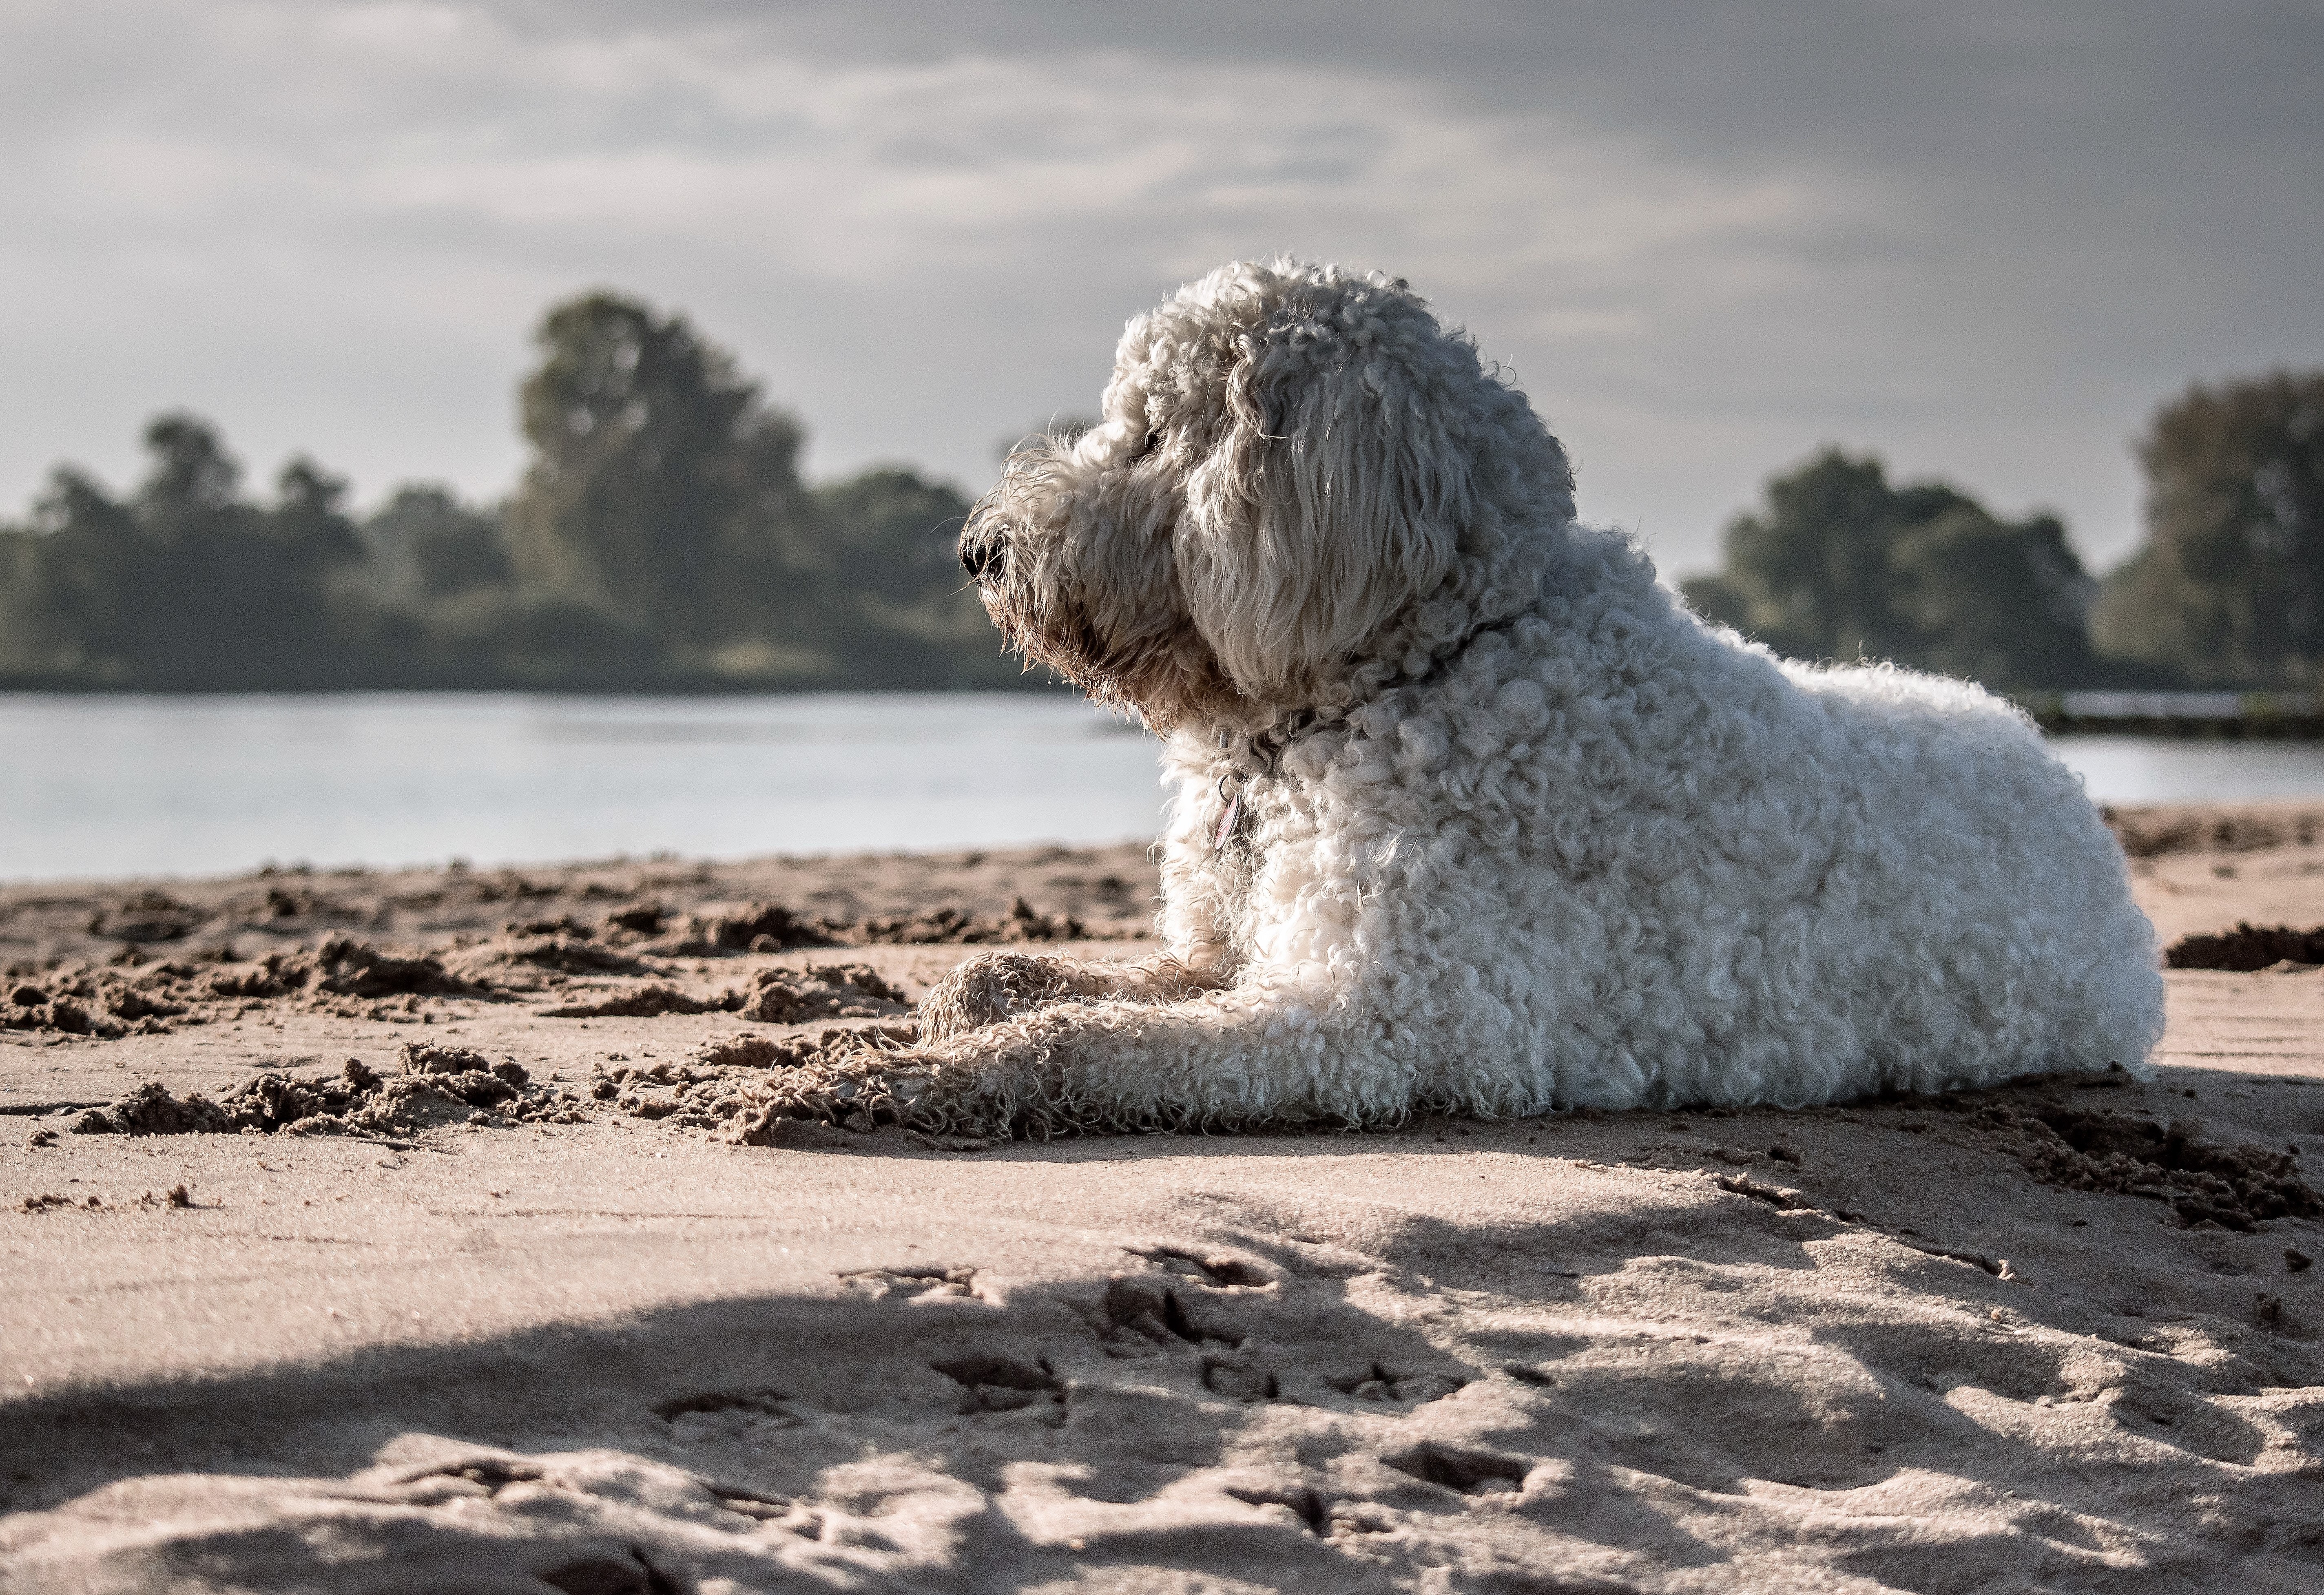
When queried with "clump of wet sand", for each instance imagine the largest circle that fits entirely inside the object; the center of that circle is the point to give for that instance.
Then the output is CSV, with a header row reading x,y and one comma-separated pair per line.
x,y
791,996
650,910
435,1085
2247,947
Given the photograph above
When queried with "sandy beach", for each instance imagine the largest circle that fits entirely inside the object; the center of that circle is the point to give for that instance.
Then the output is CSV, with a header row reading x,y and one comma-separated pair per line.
x,y
416,1232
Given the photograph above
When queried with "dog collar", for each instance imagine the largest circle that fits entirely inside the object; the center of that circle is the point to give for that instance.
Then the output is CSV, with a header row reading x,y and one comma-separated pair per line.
x,y
1264,749
1265,752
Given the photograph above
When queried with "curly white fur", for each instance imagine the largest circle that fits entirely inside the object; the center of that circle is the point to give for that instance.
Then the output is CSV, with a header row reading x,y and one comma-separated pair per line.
x,y
1472,814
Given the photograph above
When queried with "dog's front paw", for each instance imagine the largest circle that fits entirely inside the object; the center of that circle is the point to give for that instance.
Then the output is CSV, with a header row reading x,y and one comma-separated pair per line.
x,y
864,1089
994,986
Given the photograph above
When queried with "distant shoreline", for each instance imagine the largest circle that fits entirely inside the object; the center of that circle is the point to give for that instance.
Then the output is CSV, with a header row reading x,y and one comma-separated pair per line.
x,y
2230,715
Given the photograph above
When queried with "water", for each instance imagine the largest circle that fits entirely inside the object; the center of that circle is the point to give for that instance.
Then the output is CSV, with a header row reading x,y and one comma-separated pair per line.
x,y
138,785
186,785
2163,770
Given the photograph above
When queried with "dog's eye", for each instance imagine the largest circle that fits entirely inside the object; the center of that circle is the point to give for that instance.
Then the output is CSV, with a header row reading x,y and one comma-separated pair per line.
x,y
1153,441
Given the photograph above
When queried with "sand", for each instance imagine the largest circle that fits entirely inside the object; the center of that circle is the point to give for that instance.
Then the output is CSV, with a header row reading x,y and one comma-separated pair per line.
x,y
505,1305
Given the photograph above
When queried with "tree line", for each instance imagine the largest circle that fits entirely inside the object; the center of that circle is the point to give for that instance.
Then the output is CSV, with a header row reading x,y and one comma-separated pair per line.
x,y
662,538
2226,591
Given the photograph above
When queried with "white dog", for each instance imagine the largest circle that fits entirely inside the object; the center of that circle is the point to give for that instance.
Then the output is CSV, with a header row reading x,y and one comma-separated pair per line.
x,y
1471,814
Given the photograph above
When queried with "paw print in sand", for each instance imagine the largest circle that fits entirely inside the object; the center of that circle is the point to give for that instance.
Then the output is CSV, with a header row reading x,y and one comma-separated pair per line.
x,y
1238,1378
1219,1273
1376,1383
930,1279
1470,1472
1002,1384
1143,1317
726,1414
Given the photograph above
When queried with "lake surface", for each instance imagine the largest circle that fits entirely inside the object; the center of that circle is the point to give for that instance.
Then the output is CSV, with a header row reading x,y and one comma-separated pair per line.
x,y
134,786
118,786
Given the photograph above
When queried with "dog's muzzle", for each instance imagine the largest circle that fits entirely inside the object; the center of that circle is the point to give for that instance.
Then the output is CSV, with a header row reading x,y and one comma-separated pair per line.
x,y
983,555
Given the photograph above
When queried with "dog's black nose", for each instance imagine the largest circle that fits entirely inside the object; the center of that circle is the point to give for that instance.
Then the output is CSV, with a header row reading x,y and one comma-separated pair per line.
x,y
979,555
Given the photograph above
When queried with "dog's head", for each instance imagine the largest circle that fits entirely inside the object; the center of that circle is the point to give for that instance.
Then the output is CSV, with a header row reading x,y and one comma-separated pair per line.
x,y
1298,470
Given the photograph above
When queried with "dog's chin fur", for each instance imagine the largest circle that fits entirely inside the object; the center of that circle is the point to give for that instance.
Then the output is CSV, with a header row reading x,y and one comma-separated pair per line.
x,y
1470,812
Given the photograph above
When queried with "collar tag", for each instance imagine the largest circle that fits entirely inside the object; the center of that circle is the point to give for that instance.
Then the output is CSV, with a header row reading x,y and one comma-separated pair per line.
x,y
1229,823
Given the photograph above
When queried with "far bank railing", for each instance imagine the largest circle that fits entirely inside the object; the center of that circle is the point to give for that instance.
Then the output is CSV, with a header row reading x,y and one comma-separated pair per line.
x,y
2222,716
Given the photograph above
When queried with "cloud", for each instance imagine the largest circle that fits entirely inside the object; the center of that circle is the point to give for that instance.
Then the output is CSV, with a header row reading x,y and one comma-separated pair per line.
x,y
1983,238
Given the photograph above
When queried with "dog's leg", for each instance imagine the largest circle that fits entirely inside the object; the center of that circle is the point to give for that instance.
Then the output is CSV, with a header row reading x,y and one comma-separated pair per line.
x,y
994,986
1225,1058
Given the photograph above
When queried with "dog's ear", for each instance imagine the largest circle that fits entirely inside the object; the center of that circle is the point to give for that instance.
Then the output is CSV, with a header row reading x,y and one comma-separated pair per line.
x,y
1333,501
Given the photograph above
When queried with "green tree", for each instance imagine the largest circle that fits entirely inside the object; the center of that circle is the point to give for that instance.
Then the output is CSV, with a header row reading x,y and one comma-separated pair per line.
x,y
186,584
663,490
65,610
893,536
227,594
445,608
425,546
1992,601
2229,588
1843,563
891,541
1808,573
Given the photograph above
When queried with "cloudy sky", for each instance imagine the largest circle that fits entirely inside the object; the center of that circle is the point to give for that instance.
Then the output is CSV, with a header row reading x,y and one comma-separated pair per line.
x,y
1982,239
